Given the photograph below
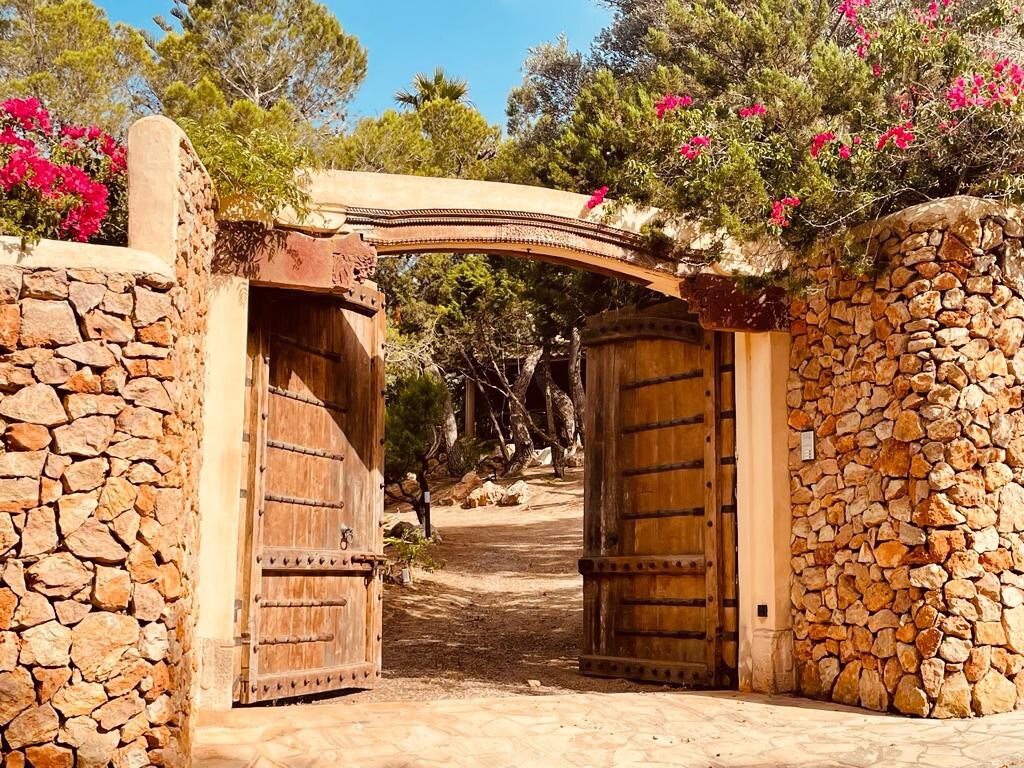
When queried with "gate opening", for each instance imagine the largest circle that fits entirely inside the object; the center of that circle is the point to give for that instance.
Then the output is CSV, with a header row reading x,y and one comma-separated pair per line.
x,y
626,571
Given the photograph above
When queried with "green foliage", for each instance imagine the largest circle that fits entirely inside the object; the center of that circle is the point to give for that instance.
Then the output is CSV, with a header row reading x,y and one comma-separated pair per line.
x,y
253,154
441,138
872,94
67,54
426,89
409,551
414,408
264,52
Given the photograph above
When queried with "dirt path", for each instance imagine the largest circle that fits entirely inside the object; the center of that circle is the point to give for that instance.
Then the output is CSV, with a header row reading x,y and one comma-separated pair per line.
x,y
506,608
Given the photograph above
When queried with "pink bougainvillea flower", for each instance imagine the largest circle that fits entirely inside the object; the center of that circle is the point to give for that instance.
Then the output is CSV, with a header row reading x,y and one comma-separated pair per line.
x,y
845,152
901,135
818,142
597,198
782,211
755,110
876,69
29,113
694,148
670,102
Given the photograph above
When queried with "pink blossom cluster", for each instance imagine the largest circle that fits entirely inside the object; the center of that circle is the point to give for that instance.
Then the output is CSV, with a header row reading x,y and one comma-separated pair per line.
x,y
694,148
819,142
901,135
755,110
850,9
782,210
597,198
1004,87
670,102
36,164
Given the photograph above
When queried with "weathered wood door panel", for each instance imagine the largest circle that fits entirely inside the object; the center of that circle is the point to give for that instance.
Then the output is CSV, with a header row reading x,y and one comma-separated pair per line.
x,y
311,592
659,567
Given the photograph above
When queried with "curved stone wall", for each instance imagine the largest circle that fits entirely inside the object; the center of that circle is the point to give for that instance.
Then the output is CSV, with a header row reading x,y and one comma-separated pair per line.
x,y
101,393
907,547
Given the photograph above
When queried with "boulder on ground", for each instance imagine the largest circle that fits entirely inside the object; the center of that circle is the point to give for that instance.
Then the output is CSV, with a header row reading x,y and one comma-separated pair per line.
x,y
516,494
484,496
469,483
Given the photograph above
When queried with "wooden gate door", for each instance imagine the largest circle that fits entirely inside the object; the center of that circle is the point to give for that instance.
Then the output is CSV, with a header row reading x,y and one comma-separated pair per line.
x,y
311,592
659,566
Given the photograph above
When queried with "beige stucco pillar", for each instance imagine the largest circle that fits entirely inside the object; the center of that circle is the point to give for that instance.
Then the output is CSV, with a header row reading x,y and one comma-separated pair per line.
x,y
219,484
765,642
153,199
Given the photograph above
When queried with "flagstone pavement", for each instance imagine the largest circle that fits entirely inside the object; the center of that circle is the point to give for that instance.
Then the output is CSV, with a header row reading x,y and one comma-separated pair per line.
x,y
703,730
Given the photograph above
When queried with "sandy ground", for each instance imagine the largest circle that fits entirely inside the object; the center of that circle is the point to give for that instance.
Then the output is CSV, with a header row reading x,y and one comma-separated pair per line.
x,y
506,608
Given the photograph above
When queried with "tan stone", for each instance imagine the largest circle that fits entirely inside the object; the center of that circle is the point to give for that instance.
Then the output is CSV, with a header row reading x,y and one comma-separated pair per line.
x,y
101,642
148,393
141,422
49,681
33,609
908,427
74,509
79,405
873,694
101,326
85,475
48,323
70,612
92,353
22,463
890,554
1013,626
58,575
112,588
8,536
94,541
85,297
10,326
46,645
118,496
50,756
910,697
17,693
87,436
847,685
142,564
27,437
36,725
94,749
119,711
40,532
954,698
993,694
36,404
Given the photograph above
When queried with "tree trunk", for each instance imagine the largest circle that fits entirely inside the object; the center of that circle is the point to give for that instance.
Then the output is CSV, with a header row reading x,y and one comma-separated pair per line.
x,y
561,421
449,427
576,391
519,418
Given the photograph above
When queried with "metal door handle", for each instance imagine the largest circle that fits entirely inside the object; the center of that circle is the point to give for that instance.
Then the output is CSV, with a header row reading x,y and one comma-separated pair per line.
x,y
347,534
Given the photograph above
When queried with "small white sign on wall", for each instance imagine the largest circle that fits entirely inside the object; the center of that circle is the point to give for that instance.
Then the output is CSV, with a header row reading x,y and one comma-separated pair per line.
x,y
807,446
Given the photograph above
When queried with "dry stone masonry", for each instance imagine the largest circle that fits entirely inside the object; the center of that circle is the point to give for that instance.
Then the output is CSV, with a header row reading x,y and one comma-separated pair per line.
x,y
100,407
908,527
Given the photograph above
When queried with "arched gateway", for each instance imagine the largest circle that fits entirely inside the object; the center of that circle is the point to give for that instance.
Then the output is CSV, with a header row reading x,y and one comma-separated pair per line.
x,y
660,567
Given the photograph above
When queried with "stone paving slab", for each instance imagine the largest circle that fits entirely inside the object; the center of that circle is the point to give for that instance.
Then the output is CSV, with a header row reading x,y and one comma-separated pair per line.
x,y
686,729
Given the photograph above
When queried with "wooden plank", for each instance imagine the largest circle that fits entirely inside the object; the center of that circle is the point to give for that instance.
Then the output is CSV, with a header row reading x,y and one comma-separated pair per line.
x,y
313,681
301,398
668,379
712,499
664,424
252,573
660,468
627,565
652,670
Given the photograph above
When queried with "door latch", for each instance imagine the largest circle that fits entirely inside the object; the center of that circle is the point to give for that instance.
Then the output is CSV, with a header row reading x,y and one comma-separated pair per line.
x,y
347,534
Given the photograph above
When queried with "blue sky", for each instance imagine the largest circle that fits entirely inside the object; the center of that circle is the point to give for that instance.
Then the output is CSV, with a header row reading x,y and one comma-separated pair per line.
x,y
484,41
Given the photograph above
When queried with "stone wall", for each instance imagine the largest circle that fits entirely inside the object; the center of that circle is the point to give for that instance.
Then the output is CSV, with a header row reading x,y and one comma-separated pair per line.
x,y
101,377
907,545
